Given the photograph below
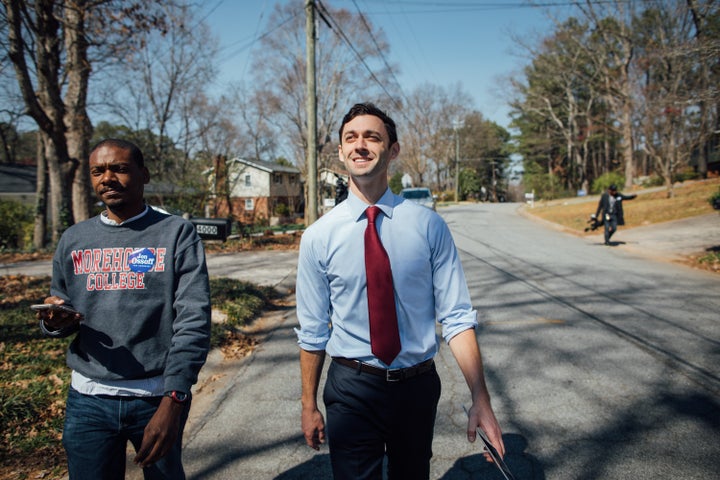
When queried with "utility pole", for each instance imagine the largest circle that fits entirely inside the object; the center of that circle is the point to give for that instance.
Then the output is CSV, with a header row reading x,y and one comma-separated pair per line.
x,y
457,124
311,207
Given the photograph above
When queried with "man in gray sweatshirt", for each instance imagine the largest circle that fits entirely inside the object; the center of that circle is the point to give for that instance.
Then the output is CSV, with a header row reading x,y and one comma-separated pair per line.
x,y
138,280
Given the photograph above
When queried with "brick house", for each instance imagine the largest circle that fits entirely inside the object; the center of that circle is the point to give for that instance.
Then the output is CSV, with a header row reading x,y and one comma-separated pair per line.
x,y
258,191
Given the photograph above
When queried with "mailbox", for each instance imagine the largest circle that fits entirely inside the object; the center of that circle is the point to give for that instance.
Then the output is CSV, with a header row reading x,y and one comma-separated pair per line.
x,y
212,228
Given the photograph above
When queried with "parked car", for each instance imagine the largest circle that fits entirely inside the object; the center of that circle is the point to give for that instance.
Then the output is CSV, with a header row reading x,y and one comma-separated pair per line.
x,y
420,195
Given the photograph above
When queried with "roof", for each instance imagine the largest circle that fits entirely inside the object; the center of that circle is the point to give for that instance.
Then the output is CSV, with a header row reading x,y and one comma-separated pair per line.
x,y
17,178
266,166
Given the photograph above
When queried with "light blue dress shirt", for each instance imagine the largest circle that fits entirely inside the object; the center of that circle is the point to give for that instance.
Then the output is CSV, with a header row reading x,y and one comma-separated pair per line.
x,y
428,279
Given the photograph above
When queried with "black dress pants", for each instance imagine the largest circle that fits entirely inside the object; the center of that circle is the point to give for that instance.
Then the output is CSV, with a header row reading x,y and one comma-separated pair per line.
x,y
368,417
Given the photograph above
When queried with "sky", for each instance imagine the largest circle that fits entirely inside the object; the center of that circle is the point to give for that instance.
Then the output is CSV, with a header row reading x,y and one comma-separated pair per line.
x,y
445,43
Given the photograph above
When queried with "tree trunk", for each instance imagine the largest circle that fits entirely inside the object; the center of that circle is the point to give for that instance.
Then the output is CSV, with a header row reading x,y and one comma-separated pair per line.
x,y
627,142
44,102
79,129
40,228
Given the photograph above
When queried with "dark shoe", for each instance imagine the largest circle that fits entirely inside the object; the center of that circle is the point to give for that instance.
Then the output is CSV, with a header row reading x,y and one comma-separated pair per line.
x,y
607,243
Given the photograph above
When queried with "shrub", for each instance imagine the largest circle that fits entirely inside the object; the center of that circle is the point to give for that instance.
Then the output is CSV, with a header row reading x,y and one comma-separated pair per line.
x,y
282,210
715,199
601,183
653,181
685,175
16,225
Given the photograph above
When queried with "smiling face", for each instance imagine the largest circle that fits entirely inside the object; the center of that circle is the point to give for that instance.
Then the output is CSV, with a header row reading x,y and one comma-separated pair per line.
x,y
118,181
366,151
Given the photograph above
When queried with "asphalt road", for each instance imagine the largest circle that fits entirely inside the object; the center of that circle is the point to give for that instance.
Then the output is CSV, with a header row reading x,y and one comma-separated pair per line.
x,y
603,362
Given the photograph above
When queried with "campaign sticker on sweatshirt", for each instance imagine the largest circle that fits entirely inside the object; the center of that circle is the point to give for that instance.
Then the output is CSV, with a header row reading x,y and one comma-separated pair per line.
x,y
141,261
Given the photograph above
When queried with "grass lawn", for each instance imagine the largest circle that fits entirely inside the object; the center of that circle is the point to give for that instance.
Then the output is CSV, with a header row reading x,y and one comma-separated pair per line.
x,y
34,379
691,199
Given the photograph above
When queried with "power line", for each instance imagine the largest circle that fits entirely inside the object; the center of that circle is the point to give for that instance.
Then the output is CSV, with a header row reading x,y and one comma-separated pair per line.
x,y
470,6
252,40
382,55
339,31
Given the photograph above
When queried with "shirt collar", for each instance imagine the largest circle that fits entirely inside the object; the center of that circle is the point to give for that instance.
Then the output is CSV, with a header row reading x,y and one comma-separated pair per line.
x,y
109,221
357,207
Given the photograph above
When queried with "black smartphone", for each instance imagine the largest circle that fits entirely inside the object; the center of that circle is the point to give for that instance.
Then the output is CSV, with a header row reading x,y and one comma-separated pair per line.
x,y
51,306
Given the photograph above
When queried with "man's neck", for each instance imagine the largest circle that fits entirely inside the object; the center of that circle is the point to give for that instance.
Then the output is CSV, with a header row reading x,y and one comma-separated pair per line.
x,y
122,215
370,192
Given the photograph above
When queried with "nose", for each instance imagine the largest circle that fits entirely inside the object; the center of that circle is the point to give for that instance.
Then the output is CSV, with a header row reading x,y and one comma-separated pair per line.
x,y
107,176
361,143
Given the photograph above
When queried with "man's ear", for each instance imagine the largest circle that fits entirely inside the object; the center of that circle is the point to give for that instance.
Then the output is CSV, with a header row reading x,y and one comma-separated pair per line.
x,y
340,154
146,175
394,150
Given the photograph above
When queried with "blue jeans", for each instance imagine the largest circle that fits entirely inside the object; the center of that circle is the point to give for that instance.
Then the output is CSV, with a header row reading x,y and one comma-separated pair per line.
x,y
97,429
610,227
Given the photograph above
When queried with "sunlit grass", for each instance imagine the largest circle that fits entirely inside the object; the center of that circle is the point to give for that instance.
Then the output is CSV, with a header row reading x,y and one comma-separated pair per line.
x,y
691,199
34,378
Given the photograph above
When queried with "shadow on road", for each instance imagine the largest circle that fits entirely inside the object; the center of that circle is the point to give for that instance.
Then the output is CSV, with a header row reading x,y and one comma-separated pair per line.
x,y
317,468
521,464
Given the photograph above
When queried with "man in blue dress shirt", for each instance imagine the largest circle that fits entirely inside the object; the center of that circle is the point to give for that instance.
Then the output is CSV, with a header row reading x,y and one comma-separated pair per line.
x,y
373,408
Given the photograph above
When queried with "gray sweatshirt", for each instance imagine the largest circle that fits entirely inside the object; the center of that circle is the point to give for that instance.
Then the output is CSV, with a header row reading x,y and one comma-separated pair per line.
x,y
143,288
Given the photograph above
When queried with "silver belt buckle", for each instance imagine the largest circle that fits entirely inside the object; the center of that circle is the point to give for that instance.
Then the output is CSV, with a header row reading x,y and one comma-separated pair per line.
x,y
389,375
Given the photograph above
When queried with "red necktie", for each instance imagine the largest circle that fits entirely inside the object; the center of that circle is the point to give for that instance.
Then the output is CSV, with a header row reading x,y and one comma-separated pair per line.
x,y
384,335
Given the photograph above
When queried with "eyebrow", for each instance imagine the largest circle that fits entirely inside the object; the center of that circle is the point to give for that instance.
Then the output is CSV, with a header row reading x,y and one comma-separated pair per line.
x,y
364,132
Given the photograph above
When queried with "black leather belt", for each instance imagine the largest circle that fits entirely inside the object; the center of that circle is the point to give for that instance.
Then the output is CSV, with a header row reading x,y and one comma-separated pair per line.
x,y
391,374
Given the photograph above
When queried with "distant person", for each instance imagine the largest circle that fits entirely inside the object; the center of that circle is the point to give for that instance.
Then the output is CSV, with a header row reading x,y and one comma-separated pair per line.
x,y
378,324
610,210
139,279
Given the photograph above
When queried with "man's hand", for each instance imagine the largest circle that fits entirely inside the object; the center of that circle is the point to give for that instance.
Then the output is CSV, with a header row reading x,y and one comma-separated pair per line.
x,y
160,433
312,422
484,418
313,427
56,319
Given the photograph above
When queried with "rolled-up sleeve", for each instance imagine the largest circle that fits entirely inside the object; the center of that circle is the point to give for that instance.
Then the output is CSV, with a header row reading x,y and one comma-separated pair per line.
x,y
453,307
312,293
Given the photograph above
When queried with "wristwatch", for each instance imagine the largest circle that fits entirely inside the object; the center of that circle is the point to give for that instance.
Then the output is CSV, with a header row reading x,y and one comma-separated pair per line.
x,y
177,397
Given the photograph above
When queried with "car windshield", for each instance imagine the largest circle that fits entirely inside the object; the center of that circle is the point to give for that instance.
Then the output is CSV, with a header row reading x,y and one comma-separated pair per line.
x,y
415,194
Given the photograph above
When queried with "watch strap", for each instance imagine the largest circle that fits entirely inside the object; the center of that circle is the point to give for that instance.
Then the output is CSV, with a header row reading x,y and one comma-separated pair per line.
x,y
178,397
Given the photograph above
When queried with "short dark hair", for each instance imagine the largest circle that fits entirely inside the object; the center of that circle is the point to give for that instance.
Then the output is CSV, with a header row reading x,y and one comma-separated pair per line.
x,y
370,109
613,188
135,153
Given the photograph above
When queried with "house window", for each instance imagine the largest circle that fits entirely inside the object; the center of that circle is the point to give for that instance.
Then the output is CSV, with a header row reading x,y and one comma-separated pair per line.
x,y
277,178
249,204
293,180
248,181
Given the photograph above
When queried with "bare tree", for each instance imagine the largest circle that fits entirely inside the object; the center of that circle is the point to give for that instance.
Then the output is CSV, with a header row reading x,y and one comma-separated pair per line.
x,y
668,57
612,22
705,17
162,84
346,56
48,44
427,136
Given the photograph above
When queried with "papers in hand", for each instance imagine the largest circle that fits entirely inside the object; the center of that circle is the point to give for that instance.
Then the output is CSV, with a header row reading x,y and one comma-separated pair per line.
x,y
488,447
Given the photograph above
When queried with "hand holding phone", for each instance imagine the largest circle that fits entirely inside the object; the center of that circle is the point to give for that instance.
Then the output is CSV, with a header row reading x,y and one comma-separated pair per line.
x,y
57,316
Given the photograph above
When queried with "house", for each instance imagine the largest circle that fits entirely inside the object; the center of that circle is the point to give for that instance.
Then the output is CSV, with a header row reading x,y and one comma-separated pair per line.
x,y
17,183
257,191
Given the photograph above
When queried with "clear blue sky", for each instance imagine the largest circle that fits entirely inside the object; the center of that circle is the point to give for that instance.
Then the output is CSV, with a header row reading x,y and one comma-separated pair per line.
x,y
439,42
